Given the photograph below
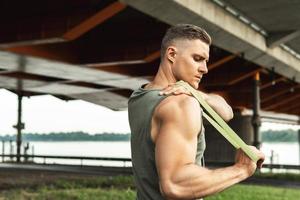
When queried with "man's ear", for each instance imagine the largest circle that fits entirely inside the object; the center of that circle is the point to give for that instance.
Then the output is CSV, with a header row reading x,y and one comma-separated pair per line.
x,y
171,53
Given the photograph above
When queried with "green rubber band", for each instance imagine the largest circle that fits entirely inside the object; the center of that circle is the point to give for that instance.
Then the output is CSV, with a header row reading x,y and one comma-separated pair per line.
x,y
219,123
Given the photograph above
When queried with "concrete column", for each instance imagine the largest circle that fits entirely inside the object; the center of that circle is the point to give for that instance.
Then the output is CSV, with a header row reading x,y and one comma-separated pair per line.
x,y
11,149
256,121
19,128
218,149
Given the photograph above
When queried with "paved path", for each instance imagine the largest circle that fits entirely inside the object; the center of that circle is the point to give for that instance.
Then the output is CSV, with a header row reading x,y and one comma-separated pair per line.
x,y
97,170
113,171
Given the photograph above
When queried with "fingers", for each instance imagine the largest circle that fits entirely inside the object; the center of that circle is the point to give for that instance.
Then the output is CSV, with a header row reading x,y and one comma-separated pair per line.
x,y
167,90
261,160
174,89
261,157
260,163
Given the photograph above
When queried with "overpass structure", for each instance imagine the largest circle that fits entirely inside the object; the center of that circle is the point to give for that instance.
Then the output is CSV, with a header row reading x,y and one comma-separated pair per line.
x,y
101,50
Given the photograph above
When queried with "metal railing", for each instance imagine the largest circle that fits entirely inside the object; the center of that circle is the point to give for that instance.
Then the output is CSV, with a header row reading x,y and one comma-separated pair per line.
x,y
126,160
266,166
27,158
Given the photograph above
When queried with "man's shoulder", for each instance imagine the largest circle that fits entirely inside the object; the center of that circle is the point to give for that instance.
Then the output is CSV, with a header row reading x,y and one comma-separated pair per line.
x,y
178,105
182,100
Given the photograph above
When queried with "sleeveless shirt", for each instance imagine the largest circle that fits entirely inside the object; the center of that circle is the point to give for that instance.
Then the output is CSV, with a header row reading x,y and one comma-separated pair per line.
x,y
141,106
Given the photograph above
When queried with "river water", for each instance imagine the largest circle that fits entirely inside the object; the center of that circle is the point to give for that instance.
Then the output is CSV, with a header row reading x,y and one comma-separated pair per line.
x,y
284,153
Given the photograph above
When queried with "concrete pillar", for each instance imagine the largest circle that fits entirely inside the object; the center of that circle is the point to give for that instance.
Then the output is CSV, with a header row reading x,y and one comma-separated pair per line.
x,y
11,149
19,128
256,121
218,149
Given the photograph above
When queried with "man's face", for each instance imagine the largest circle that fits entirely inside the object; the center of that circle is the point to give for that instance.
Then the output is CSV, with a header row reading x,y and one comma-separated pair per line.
x,y
190,61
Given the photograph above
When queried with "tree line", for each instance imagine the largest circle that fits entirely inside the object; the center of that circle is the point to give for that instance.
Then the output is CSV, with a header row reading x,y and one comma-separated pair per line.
x,y
69,136
288,135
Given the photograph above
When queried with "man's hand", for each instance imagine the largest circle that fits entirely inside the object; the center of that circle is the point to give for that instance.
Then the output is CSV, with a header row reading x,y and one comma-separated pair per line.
x,y
244,162
175,90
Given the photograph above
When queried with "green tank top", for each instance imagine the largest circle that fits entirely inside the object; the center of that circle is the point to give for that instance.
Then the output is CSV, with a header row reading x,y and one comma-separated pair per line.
x,y
141,106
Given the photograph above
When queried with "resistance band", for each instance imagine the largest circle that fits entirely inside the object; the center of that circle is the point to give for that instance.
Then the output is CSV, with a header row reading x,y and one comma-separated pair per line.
x,y
220,124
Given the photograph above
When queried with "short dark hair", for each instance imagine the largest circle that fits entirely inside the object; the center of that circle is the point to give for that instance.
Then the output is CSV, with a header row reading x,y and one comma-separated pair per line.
x,y
184,31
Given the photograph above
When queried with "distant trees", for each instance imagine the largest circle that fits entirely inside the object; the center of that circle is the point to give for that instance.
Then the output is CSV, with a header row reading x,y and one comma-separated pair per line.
x,y
69,136
288,135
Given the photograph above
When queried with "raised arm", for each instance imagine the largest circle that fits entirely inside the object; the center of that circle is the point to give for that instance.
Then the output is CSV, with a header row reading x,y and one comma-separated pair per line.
x,y
219,104
176,144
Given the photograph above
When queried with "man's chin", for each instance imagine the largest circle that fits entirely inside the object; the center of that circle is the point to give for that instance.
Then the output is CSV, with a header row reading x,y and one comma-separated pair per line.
x,y
195,85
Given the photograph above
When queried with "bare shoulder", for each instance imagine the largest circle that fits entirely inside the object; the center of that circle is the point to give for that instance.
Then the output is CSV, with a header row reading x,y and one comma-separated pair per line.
x,y
182,109
177,103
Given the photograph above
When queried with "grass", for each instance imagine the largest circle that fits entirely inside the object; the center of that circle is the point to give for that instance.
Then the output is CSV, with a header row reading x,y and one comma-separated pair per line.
x,y
78,188
72,194
252,192
279,176
122,188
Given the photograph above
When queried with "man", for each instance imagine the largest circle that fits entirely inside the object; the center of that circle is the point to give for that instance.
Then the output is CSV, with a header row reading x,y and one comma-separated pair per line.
x,y
167,140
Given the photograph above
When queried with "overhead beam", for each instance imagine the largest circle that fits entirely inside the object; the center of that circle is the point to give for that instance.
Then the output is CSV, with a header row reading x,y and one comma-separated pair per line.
x,y
217,83
64,98
290,106
222,61
73,74
277,38
136,70
229,76
272,94
126,53
58,52
88,85
95,20
296,112
243,77
51,80
152,56
114,63
4,72
272,83
60,70
28,76
234,97
25,93
6,45
62,32
283,101
147,59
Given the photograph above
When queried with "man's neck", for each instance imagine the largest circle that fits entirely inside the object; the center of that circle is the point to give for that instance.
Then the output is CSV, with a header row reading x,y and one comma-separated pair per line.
x,y
163,77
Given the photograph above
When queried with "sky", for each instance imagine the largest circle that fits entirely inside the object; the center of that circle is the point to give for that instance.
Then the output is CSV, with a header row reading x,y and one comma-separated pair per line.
x,y
44,114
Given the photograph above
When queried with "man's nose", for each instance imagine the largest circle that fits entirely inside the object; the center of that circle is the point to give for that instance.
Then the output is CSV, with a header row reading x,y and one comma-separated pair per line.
x,y
203,68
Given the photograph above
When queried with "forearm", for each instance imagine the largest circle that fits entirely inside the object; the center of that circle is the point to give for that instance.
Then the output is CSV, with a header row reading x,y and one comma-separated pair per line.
x,y
219,104
192,181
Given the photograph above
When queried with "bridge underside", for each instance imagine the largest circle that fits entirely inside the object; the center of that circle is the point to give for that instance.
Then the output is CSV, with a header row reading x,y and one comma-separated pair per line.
x,y
100,51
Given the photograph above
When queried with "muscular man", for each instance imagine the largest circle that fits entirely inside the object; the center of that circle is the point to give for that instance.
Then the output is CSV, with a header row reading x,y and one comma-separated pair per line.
x,y
167,140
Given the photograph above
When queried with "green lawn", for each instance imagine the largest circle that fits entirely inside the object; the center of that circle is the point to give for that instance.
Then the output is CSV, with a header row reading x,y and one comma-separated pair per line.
x,y
252,192
122,188
71,194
